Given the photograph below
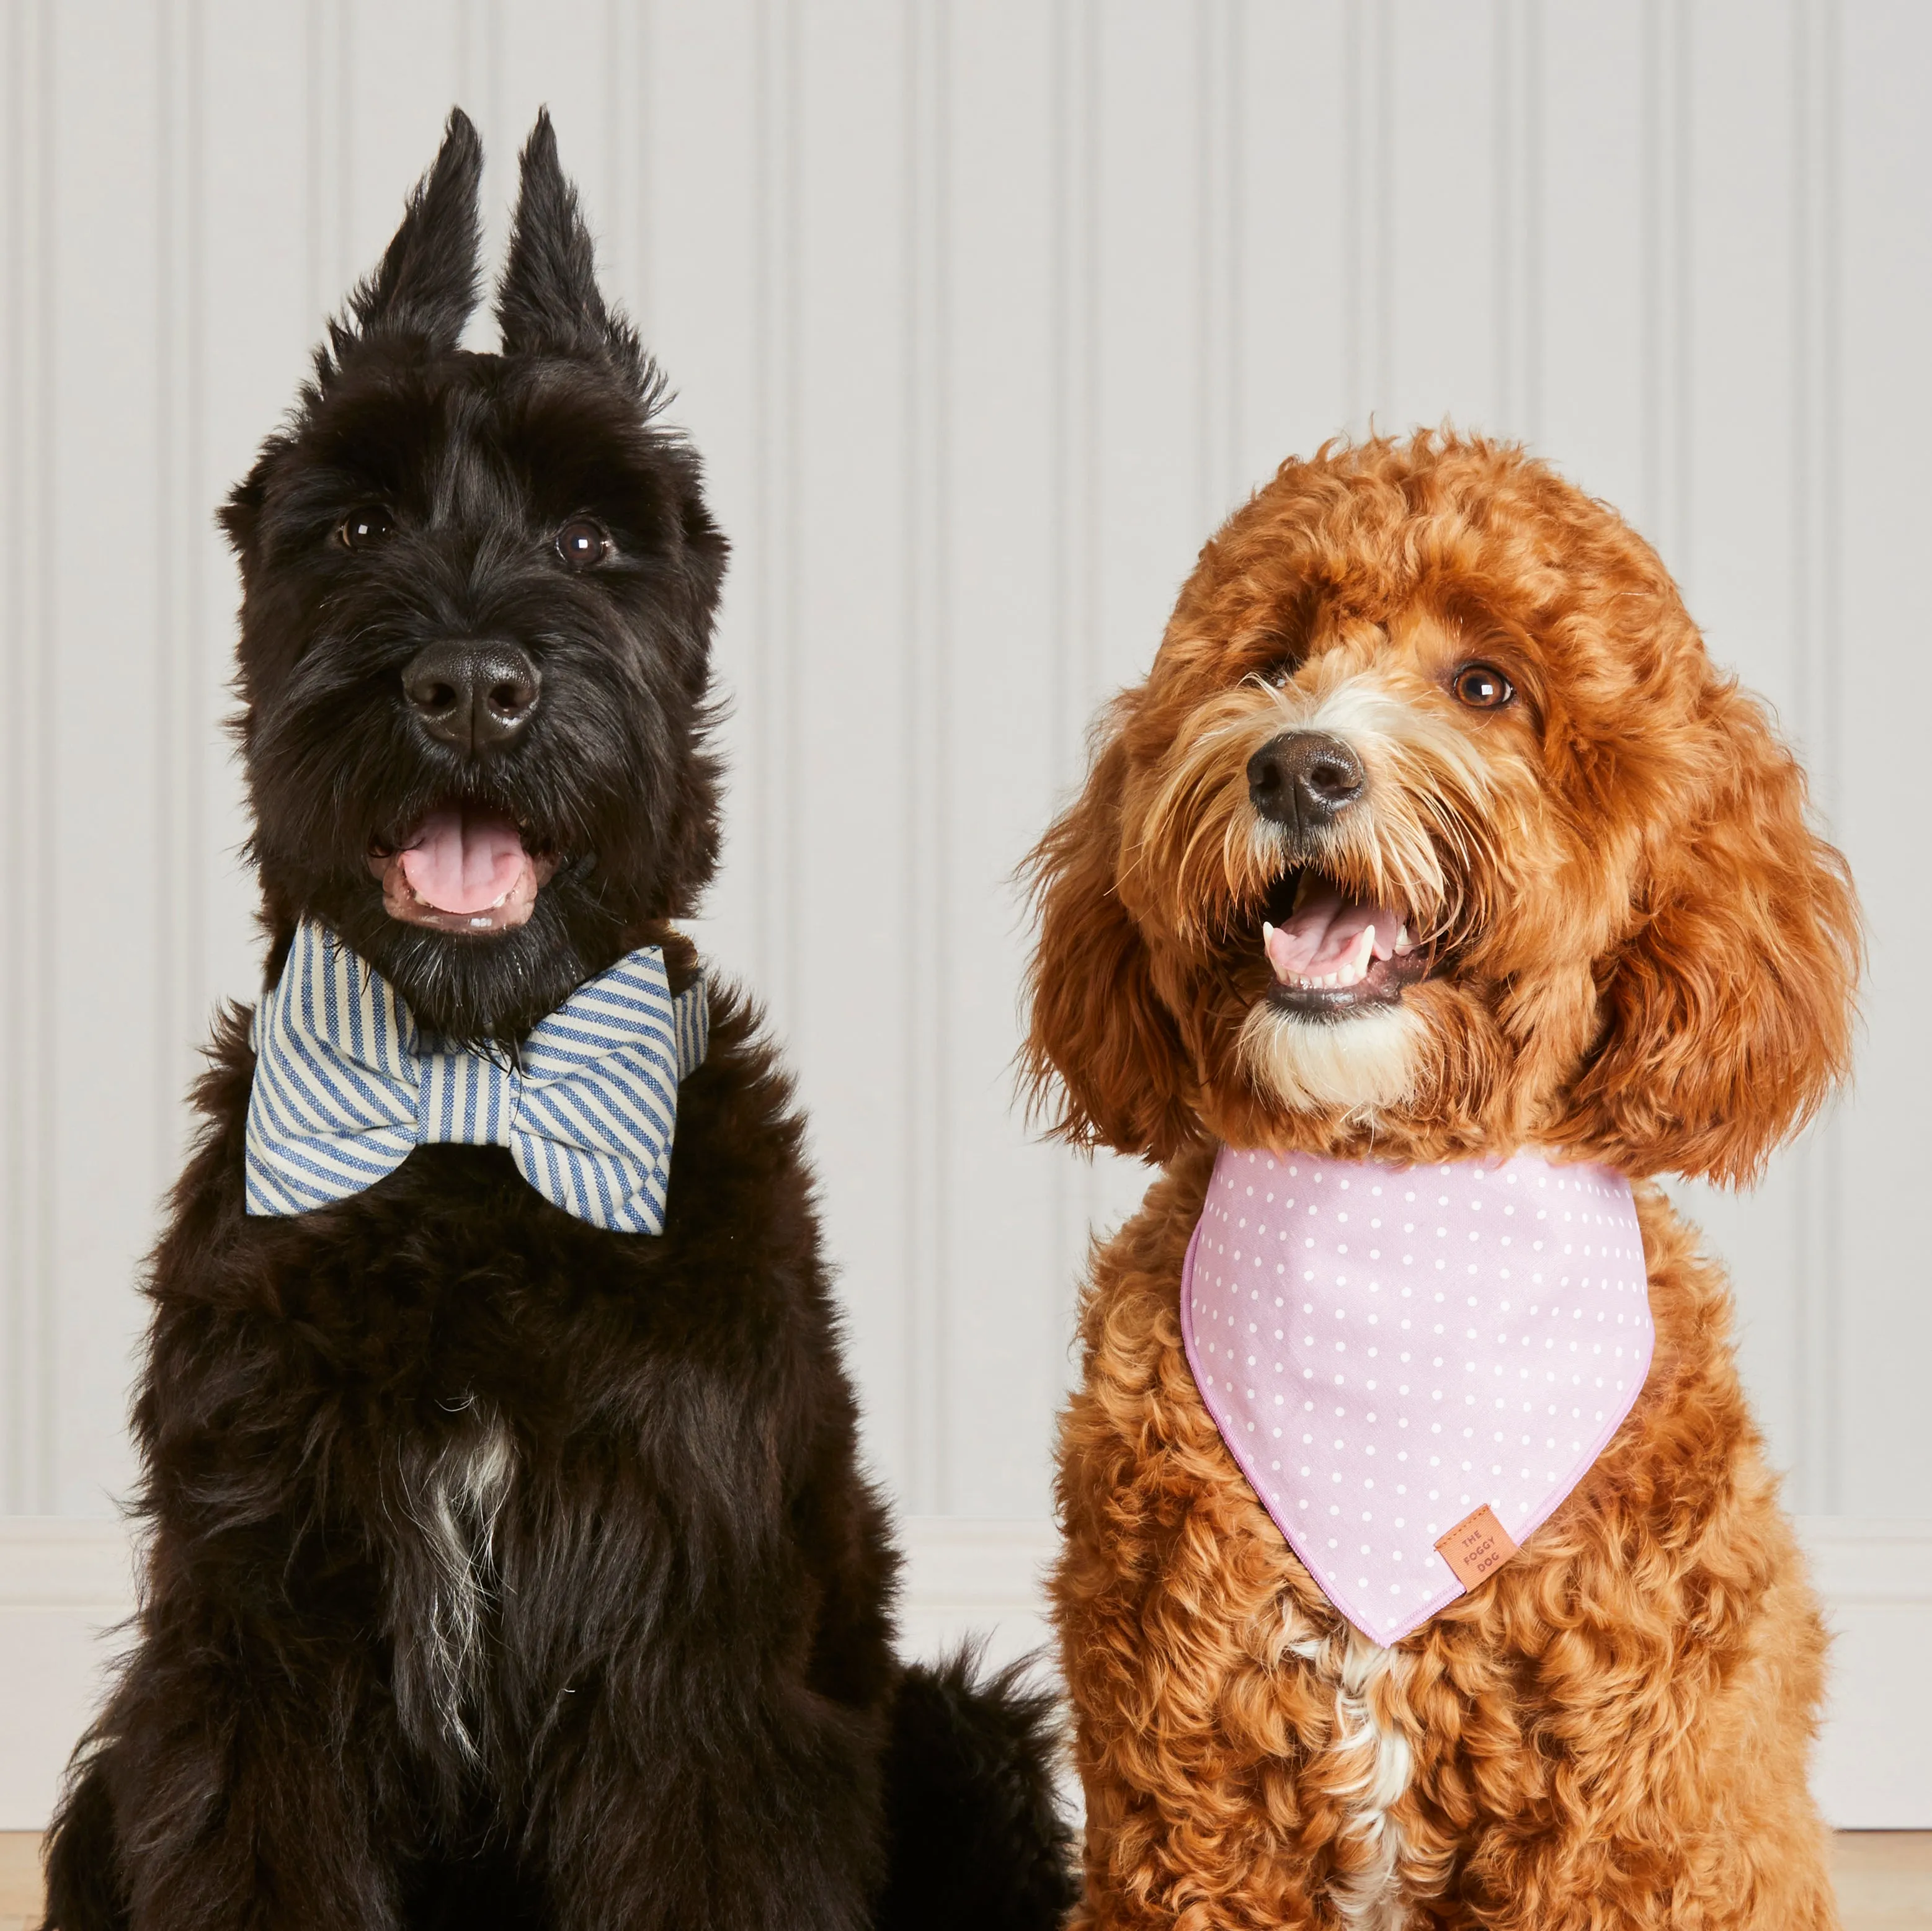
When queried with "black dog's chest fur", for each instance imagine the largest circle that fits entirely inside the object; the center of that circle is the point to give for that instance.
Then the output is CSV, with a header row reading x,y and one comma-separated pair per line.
x,y
510,1437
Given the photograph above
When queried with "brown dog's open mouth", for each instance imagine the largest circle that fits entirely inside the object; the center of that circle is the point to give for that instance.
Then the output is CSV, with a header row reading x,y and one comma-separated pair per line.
x,y
1333,953
463,869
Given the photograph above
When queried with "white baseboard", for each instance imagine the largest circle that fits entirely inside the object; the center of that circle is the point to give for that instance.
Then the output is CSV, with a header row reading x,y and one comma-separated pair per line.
x,y
64,1584
1873,1768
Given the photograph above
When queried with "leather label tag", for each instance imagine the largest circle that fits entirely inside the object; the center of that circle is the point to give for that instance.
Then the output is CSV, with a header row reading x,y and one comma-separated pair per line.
x,y
1478,1545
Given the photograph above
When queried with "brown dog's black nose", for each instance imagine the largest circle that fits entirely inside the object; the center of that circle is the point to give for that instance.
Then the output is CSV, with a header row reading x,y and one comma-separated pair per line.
x,y
1302,779
475,696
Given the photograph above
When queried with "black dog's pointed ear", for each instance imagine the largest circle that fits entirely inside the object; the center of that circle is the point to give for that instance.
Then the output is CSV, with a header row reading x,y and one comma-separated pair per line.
x,y
425,286
548,302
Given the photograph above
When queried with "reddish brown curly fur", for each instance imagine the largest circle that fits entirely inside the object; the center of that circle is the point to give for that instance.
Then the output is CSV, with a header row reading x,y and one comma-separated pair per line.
x,y
1642,956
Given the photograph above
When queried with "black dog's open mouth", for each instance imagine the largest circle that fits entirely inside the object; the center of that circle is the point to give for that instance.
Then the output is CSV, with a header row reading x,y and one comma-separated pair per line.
x,y
462,868
1331,954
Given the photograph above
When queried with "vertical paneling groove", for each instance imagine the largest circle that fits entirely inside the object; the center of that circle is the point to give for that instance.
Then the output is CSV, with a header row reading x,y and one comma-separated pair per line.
x,y
1652,510
628,107
1534,82
473,65
926,238
1368,221
167,336
1355,311
16,794
14,790
346,266
1062,297
1382,375
481,22
1218,148
313,124
1682,239
1667,233
1815,536
773,653
192,479
1088,189
329,114
1090,543
28,1446
45,1472
1075,658
179,910
1061,291
625,184
1507,189
1519,164
940,803
1209,15
479,70
1235,481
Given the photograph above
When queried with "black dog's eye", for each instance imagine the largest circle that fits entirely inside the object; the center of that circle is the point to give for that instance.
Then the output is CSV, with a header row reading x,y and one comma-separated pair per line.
x,y
581,543
363,529
1482,687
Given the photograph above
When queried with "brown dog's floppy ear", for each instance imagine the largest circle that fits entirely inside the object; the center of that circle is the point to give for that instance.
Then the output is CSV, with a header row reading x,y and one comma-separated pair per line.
x,y
1102,1057
1729,1012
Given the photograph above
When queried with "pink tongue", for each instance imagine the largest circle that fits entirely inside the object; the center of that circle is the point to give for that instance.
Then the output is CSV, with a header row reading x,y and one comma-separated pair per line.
x,y
464,861
1323,929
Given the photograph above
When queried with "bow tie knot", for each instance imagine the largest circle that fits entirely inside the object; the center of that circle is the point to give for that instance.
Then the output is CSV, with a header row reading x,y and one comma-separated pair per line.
x,y
346,1086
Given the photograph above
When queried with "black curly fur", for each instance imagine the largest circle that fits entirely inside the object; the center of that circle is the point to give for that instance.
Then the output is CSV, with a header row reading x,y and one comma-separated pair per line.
x,y
977,1840
503,1571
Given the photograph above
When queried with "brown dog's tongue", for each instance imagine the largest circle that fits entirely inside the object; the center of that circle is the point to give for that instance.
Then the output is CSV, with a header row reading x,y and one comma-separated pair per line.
x,y
1325,929
464,860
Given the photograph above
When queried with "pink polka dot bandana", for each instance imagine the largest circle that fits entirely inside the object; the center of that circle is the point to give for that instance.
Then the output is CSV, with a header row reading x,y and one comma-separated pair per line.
x,y
1386,1349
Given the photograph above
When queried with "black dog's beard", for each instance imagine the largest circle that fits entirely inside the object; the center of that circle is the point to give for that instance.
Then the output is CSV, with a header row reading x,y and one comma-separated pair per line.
x,y
494,987
610,798
340,777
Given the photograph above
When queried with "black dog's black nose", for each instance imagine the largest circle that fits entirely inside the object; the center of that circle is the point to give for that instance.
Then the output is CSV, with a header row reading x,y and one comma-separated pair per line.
x,y
475,696
1303,778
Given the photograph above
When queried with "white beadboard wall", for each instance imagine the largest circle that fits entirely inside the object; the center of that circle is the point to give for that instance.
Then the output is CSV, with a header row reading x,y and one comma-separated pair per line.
x,y
982,314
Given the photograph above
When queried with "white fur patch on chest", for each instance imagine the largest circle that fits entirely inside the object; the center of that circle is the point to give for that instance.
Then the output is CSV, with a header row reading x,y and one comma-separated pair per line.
x,y
1366,1769
453,1498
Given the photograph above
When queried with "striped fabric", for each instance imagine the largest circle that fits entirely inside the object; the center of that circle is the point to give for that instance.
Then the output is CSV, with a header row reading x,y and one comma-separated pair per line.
x,y
346,1085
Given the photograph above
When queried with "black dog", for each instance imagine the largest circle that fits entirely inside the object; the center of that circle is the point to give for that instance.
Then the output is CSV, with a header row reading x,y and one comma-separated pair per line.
x,y
503,1568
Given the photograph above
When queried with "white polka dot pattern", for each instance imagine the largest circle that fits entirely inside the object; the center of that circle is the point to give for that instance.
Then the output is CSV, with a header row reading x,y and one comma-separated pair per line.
x,y
1386,1348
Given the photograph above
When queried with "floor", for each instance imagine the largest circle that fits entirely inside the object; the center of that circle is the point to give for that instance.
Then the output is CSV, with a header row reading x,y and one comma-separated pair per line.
x,y
1884,1880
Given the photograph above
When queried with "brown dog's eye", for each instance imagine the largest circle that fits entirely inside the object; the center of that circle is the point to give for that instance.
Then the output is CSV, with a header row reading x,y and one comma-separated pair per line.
x,y
363,529
1482,687
581,543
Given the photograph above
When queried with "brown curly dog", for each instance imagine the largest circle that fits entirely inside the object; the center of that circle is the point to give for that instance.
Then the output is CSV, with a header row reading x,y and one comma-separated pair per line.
x,y
1430,685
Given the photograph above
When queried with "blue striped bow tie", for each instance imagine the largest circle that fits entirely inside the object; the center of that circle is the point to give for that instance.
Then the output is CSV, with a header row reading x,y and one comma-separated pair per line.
x,y
346,1085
